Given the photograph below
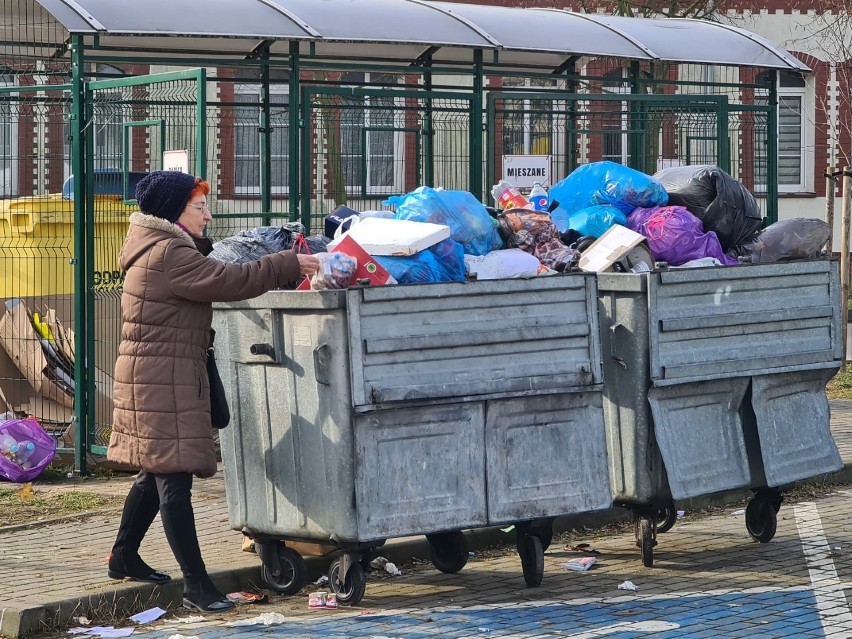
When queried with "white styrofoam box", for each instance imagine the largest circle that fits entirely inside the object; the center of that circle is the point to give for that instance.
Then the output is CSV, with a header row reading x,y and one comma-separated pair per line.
x,y
380,236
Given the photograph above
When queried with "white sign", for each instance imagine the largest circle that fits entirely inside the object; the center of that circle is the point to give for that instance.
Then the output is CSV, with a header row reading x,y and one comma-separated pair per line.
x,y
525,170
176,161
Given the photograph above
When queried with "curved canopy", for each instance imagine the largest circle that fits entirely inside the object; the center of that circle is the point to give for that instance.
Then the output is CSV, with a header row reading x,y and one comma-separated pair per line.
x,y
394,31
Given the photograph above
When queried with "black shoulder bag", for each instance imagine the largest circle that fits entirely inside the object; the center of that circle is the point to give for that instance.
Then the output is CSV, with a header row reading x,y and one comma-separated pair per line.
x,y
220,414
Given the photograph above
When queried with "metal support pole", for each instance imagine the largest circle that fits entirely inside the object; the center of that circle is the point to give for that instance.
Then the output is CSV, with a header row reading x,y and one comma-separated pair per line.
x,y
265,137
295,130
845,214
476,181
428,127
78,148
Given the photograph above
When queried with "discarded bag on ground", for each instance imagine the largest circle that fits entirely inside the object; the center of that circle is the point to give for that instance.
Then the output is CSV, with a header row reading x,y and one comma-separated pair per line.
x,y
798,238
25,450
675,235
723,204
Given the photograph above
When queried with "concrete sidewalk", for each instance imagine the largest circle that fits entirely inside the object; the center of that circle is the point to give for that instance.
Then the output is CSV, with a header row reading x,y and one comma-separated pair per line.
x,y
52,571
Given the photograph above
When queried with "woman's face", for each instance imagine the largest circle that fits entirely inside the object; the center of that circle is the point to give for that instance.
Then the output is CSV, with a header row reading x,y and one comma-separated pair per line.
x,y
195,216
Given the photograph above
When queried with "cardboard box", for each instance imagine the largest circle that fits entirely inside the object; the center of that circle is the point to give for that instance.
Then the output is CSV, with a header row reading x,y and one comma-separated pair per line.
x,y
23,386
618,244
383,236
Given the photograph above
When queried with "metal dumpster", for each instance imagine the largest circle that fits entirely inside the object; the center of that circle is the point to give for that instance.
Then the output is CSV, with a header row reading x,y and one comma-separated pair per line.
x,y
715,380
381,412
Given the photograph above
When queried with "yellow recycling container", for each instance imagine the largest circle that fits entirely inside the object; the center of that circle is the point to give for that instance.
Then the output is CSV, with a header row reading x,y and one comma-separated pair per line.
x,y
37,244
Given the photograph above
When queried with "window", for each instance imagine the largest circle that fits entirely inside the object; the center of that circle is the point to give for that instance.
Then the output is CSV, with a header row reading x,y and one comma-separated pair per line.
x,y
8,139
615,122
371,139
795,163
528,125
109,111
247,121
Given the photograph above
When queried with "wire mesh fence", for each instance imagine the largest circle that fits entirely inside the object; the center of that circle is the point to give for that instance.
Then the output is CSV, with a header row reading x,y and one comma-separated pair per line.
x,y
358,140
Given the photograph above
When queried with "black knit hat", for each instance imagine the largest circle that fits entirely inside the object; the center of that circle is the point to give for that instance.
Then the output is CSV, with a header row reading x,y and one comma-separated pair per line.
x,y
165,194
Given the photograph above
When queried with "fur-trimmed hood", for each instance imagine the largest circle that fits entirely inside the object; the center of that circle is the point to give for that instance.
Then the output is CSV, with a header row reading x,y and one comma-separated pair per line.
x,y
145,231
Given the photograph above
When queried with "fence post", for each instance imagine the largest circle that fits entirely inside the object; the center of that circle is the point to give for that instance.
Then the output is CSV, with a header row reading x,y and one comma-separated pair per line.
x,y
830,187
845,213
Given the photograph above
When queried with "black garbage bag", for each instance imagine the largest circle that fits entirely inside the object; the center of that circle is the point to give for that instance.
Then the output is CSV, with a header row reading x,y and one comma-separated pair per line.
x,y
253,244
799,238
723,205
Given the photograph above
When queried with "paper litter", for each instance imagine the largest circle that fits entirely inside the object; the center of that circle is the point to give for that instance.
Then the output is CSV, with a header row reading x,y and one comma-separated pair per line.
x,y
266,619
579,564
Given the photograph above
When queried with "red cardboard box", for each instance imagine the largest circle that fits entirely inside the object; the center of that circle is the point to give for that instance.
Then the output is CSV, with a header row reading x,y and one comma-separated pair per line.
x,y
368,268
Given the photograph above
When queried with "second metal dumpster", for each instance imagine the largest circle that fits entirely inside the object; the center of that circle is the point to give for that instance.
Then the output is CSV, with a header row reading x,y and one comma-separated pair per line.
x,y
715,380
380,412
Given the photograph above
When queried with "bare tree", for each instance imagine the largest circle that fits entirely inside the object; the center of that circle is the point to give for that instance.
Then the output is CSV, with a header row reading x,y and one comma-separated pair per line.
x,y
701,9
827,35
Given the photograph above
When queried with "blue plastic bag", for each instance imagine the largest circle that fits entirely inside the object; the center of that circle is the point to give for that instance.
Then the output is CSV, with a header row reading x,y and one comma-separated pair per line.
x,y
608,183
443,262
596,220
469,222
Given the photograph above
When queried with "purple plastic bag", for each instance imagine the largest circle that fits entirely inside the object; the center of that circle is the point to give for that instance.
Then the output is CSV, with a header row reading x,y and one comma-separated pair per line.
x,y
675,235
21,432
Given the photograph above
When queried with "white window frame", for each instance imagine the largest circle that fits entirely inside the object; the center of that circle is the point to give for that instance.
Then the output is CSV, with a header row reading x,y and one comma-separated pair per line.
x,y
527,123
806,151
806,155
254,89
9,174
398,151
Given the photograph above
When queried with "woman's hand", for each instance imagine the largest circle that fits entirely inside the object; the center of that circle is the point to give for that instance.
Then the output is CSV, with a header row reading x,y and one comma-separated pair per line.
x,y
308,264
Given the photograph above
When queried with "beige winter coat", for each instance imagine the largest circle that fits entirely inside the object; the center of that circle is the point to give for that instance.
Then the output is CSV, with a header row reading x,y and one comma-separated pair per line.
x,y
161,421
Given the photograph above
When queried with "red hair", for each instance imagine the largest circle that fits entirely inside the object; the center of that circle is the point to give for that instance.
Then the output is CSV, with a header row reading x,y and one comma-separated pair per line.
x,y
201,187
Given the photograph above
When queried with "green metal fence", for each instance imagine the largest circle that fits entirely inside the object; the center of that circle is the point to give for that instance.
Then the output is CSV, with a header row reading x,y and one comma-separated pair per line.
x,y
351,137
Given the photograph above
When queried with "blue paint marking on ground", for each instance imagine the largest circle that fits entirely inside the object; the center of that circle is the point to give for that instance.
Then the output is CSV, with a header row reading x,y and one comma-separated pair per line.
x,y
726,616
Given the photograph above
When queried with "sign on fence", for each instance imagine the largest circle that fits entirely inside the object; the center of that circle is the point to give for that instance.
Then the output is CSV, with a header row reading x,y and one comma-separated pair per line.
x,y
526,170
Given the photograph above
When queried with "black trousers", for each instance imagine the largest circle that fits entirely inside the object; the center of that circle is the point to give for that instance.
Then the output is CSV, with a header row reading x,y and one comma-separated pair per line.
x,y
173,488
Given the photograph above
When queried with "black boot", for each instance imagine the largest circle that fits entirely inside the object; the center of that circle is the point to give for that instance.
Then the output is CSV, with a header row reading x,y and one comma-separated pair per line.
x,y
199,592
140,508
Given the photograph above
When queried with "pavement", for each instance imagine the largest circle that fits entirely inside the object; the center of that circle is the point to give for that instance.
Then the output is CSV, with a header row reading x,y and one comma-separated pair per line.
x,y
709,578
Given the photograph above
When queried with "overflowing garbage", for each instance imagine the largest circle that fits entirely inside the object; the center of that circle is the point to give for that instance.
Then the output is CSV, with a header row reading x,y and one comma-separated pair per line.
x,y
602,216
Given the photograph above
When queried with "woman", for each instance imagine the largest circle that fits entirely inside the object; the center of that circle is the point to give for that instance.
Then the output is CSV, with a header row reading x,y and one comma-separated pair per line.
x,y
161,422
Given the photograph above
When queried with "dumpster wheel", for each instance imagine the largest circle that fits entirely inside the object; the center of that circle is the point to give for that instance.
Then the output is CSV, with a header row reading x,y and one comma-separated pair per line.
x,y
448,551
292,577
532,558
761,518
352,590
645,539
666,517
